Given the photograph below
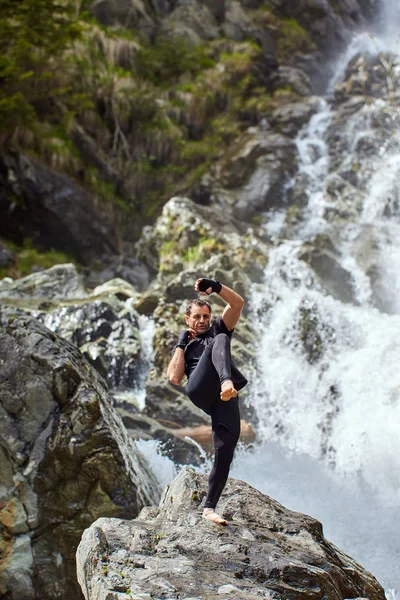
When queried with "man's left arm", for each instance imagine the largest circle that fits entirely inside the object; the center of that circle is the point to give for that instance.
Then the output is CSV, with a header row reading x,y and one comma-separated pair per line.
x,y
233,310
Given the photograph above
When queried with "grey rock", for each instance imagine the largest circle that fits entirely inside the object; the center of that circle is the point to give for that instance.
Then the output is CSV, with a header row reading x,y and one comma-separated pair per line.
x,y
290,118
190,20
140,426
65,459
236,22
58,282
267,551
170,405
52,210
325,261
252,177
296,79
106,331
128,13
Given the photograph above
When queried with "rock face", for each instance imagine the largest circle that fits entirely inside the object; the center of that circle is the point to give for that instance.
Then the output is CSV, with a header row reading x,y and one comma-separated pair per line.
x,y
267,551
185,244
106,328
52,209
65,460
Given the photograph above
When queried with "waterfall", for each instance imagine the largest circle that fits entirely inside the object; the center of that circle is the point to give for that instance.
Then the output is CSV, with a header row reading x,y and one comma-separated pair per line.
x,y
146,332
327,388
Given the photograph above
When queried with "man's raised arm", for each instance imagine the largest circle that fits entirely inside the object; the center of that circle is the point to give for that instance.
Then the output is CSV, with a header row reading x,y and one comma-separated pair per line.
x,y
232,312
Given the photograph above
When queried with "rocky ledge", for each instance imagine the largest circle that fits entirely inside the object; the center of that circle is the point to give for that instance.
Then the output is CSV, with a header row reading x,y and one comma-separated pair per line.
x,y
267,551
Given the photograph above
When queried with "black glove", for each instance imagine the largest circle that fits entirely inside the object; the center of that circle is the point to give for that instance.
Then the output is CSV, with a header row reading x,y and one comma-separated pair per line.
x,y
210,283
183,339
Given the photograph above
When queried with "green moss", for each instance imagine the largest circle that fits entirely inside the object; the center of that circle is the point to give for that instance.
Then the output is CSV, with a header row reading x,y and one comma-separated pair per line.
x,y
27,258
202,251
293,38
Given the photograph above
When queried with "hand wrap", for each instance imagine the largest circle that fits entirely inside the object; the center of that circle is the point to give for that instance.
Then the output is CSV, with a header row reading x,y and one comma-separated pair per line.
x,y
209,283
183,339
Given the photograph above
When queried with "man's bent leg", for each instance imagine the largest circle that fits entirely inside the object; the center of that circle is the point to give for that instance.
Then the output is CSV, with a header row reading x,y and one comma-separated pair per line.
x,y
221,359
203,387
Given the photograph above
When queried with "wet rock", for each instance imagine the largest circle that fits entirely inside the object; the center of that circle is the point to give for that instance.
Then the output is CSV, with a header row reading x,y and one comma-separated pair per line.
x,y
251,178
107,333
267,551
296,79
203,435
325,262
170,405
290,118
314,334
103,324
173,442
65,459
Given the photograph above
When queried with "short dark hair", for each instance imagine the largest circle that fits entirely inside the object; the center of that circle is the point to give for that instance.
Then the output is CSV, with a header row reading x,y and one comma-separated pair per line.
x,y
197,302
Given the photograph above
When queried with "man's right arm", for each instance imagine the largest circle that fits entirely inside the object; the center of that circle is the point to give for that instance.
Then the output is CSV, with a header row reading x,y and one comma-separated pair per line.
x,y
176,368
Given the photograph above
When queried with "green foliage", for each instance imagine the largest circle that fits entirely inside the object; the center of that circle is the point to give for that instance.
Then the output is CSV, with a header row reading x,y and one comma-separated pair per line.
x,y
157,114
34,34
167,60
28,258
293,38
205,248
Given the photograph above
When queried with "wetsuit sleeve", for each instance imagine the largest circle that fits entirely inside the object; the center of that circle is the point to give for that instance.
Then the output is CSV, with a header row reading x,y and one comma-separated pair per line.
x,y
220,327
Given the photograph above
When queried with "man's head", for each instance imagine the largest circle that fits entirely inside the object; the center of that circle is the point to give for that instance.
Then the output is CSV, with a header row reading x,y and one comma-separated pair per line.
x,y
198,315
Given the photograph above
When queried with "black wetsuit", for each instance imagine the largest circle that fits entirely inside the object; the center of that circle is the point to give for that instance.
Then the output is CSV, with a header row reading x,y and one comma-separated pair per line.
x,y
208,364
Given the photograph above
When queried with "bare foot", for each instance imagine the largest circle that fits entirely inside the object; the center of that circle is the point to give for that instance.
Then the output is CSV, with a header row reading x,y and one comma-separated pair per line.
x,y
227,390
211,515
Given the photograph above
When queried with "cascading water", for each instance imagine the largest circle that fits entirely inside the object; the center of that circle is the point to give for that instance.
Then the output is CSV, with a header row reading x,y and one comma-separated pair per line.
x,y
327,390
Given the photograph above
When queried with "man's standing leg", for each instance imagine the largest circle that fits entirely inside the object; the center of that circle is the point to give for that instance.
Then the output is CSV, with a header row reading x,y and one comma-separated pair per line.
x,y
226,430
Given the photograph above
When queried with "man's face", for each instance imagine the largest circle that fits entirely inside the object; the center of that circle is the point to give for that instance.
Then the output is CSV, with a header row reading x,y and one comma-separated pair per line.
x,y
199,319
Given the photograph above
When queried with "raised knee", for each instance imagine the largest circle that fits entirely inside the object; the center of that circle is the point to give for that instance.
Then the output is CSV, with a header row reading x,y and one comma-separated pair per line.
x,y
222,336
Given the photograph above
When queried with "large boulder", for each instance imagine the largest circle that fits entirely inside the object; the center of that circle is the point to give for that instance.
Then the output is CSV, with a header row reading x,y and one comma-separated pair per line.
x,y
266,552
65,460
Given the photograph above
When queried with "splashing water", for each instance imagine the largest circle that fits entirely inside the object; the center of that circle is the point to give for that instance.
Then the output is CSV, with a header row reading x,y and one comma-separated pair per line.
x,y
327,387
146,332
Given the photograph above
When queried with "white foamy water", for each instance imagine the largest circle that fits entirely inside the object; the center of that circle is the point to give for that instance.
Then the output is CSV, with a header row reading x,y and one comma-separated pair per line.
x,y
327,389
353,517
146,332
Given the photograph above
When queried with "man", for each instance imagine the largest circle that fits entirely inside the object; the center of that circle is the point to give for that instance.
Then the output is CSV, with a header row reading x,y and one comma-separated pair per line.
x,y
203,353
